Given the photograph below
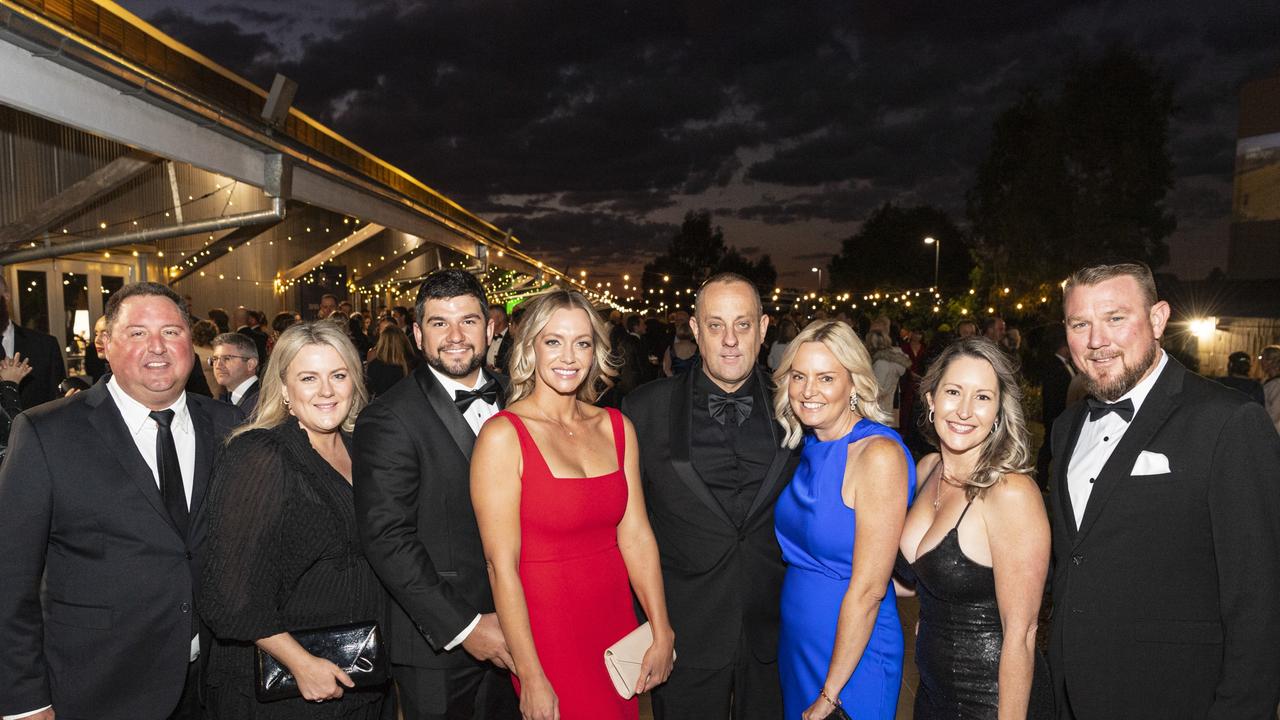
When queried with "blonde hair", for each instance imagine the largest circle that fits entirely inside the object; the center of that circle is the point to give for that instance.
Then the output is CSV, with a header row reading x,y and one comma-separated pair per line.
x,y
840,339
271,410
1007,450
522,362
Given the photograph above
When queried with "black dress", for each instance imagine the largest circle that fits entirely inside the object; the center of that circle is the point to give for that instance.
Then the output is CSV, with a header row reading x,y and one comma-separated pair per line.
x,y
283,554
959,638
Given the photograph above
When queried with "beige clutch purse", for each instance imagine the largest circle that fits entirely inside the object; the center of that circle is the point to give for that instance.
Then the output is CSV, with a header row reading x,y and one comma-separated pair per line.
x,y
624,657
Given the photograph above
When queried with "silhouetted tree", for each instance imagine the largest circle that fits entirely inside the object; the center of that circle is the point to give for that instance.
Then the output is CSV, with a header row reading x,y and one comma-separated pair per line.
x,y
1078,177
696,253
888,251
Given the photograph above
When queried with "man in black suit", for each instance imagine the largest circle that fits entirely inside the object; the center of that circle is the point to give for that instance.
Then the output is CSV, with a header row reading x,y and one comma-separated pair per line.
x,y
1166,524
40,350
235,365
411,462
248,324
712,465
101,495
500,346
1055,381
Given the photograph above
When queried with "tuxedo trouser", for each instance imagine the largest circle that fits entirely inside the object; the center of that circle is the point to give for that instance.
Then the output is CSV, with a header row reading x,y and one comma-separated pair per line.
x,y
473,692
745,689
189,707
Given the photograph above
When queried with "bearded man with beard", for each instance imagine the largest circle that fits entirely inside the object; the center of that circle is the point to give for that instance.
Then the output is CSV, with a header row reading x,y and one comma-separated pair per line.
x,y
1166,530
40,350
411,465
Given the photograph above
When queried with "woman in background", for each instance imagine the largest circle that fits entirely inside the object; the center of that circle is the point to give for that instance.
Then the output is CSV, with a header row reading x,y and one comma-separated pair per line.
x,y
839,521
392,360
979,548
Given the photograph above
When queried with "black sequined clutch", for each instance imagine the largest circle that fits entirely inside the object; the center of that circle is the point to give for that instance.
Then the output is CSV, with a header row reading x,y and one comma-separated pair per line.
x,y
356,648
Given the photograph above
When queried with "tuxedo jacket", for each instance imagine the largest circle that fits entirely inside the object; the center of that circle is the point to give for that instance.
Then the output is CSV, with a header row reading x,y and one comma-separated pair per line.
x,y
110,637
249,401
47,366
412,481
720,580
1165,596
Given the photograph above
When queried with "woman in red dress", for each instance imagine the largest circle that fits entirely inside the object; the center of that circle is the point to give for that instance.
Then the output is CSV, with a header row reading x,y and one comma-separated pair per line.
x,y
556,487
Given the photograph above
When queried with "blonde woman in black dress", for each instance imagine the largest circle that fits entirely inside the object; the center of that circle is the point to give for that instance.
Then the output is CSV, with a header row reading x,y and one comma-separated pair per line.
x,y
283,553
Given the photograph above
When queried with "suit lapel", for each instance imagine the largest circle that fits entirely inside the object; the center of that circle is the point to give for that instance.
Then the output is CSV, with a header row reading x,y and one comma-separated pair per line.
x,y
682,440
448,413
1062,460
205,441
1156,408
764,403
107,420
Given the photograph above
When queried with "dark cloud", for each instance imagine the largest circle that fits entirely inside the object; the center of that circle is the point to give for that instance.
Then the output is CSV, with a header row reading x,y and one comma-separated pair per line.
x,y
595,118
576,240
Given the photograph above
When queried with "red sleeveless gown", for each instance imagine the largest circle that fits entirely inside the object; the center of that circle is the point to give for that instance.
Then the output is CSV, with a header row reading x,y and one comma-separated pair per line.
x,y
575,583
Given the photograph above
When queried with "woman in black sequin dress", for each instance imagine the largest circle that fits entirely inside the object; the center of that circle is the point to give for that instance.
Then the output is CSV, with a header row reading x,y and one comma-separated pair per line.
x,y
977,548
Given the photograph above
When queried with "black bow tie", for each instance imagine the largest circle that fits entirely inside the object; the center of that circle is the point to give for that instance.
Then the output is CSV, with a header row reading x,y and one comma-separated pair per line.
x,y
1099,409
720,407
487,392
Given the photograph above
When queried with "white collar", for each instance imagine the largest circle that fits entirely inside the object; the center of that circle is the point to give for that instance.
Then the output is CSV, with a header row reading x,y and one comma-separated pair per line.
x,y
136,415
452,386
8,333
243,388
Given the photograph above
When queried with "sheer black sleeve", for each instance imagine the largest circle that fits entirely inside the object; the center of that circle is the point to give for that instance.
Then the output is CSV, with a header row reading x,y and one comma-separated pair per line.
x,y
243,577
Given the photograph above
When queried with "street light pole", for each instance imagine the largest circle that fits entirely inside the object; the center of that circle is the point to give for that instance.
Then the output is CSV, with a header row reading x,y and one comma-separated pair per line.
x,y
937,253
819,271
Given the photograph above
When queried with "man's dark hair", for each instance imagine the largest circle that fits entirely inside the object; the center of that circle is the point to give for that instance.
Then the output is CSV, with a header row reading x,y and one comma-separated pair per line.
x,y
633,322
242,343
517,314
219,317
502,310
449,283
141,289
989,322
330,296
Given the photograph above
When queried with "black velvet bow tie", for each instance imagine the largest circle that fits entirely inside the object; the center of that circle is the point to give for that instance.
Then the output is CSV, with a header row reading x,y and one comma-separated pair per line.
x,y
1099,409
726,407
487,392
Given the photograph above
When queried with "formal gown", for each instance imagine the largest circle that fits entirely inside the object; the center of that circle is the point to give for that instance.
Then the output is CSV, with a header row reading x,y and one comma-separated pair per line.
x,y
816,530
959,638
575,583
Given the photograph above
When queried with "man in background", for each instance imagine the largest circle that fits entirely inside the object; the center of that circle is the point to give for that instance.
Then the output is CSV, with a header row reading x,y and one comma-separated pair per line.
x,y
40,350
235,365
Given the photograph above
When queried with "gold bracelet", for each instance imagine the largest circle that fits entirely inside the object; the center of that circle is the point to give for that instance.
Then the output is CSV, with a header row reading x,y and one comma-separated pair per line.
x,y
823,694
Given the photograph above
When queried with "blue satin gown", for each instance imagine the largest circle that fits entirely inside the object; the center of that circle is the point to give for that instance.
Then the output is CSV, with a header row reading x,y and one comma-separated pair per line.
x,y
816,531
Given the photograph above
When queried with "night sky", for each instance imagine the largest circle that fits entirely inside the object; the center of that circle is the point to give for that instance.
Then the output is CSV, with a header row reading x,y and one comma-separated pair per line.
x,y
591,128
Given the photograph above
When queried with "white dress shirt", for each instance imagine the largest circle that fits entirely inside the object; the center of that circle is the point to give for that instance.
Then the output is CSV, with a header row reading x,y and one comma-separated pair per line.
x,y
137,417
1098,439
6,341
491,355
476,415
243,388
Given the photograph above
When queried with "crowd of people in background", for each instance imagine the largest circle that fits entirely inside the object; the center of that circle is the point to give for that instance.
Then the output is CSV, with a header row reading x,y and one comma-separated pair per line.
x,y
507,494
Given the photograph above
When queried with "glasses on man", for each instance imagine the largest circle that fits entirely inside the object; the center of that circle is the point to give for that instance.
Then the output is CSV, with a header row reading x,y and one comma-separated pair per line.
x,y
215,360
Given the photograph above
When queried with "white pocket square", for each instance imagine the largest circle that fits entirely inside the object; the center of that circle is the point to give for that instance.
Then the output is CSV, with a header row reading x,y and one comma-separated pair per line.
x,y
1150,463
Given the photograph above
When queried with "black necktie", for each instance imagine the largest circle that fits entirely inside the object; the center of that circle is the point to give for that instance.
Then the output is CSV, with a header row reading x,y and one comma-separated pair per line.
x,y
1099,409
175,498
725,407
487,392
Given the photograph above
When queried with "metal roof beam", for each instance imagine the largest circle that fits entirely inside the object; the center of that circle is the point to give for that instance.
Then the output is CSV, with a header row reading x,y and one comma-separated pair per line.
x,y
216,250
69,201
349,242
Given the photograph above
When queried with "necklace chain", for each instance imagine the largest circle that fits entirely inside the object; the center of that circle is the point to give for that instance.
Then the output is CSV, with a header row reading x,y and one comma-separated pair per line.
x,y
548,418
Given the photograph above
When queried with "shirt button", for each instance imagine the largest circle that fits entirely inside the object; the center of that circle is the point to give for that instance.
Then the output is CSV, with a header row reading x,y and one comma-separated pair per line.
x,y
186,607
1091,480
1106,438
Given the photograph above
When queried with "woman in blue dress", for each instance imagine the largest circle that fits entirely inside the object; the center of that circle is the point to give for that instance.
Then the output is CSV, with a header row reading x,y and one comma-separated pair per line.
x,y
839,521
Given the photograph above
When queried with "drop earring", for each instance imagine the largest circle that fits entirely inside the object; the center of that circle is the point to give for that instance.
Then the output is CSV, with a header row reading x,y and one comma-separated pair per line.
x,y
853,402
930,416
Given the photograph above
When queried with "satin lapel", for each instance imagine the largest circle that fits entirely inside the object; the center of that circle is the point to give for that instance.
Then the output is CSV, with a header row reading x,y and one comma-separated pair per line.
x,y
1062,460
448,413
106,418
1160,402
205,441
764,403
681,441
